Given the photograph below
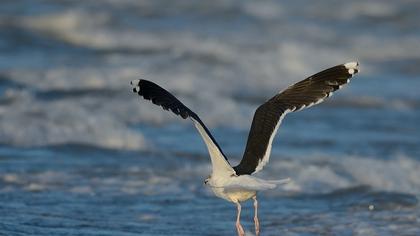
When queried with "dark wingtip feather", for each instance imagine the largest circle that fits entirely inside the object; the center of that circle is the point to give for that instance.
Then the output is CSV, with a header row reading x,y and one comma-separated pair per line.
x,y
160,97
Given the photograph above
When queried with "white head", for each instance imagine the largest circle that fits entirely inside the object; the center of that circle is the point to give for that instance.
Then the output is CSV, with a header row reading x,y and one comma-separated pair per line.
x,y
206,181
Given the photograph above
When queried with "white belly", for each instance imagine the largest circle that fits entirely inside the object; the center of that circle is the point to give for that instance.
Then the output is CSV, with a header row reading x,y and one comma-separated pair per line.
x,y
234,195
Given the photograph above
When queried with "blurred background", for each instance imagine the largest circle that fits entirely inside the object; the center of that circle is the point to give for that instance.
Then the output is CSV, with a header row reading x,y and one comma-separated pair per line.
x,y
80,154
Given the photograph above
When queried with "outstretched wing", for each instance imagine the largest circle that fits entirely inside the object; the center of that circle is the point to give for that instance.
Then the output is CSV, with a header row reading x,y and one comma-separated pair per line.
x,y
159,96
269,115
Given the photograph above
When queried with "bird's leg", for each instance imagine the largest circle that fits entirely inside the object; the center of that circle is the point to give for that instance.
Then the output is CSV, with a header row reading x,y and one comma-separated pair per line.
x,y
256,221
239,228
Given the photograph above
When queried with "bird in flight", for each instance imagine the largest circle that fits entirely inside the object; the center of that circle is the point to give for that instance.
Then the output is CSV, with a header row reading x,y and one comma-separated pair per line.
x,y
236,183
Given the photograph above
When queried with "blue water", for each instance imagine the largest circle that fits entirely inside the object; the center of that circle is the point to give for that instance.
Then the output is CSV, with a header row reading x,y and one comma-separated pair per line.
x,y
81,155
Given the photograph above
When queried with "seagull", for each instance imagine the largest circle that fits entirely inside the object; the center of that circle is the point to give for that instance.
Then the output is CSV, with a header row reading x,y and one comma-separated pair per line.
x,y
237,184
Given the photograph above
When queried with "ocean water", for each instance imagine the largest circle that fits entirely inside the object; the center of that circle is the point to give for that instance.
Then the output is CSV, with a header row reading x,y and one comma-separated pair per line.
x,y
81,155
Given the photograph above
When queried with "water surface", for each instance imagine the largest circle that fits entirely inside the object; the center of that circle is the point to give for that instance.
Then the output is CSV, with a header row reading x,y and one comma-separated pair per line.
x,y
81,155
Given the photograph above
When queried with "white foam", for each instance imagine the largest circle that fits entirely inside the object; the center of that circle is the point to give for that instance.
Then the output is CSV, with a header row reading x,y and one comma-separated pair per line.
x,y
77,120
324,174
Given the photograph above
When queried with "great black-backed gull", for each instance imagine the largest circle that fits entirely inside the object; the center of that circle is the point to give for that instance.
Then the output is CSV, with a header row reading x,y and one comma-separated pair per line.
x,y
236,184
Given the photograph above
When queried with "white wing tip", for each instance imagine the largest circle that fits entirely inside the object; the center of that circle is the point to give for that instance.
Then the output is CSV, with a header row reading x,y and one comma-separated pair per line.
x,y
351,65
135,82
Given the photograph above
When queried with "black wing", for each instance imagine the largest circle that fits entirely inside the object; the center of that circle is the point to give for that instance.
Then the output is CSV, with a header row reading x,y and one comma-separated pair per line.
x,y
269,115
159,96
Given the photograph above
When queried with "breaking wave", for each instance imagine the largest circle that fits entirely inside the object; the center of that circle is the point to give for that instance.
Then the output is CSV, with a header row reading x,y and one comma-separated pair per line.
x,y
66,81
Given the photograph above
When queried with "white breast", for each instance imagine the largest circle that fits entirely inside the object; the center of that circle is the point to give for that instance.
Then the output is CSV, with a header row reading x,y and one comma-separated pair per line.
x,y
229,194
